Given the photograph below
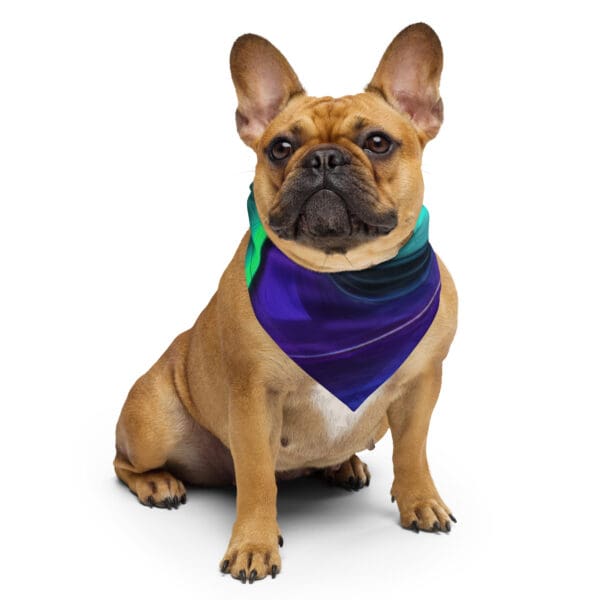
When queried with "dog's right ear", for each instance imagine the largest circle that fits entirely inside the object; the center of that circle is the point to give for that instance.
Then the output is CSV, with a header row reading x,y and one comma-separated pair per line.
x,y
408,77
264,83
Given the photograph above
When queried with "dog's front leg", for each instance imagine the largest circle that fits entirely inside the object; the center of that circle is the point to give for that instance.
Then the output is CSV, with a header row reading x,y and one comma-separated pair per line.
x,y
421,507
255,427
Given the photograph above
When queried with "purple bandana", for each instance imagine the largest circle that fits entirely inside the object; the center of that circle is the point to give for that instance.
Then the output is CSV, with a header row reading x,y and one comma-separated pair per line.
x,y
349,331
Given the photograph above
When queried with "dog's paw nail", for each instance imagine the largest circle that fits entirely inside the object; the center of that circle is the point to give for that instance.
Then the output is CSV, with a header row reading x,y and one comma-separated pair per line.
x,y
393,499
274,571
183,499
448,526
436,526
242,576
224,566
280,541
150,501
453,519
415,527
252,577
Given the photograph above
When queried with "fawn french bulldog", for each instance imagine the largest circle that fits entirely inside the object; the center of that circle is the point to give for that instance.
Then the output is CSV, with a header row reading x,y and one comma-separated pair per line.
x,y
332,320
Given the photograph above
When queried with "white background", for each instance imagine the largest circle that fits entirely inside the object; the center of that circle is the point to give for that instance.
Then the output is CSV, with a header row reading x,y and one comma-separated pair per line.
x,y
122,190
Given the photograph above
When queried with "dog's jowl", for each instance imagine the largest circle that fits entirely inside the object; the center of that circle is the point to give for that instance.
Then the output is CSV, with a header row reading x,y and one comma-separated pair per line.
x,y
332,320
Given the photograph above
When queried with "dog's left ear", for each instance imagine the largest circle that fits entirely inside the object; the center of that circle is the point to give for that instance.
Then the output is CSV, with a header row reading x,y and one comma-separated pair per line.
x,y
264,83
408,77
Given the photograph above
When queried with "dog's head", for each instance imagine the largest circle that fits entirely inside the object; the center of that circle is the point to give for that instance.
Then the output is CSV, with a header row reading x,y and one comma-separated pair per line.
x,y
338,182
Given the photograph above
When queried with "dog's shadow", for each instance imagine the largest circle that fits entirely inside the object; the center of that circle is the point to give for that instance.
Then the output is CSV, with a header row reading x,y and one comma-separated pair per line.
x,y
300,501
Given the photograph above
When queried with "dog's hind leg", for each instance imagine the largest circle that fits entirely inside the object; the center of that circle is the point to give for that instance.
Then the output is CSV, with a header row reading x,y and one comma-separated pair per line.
x,y
159,444
147,433
149,430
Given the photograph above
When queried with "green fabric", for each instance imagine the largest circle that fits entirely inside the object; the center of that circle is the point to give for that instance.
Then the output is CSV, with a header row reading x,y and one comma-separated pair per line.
x,y
258,237
419,237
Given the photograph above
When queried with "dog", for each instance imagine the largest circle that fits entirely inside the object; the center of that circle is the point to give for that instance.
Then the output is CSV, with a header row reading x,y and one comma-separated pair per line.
x,y
332,320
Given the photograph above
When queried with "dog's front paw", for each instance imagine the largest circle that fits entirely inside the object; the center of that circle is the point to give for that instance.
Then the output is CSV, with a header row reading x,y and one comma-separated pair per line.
x,y
423,511
253,551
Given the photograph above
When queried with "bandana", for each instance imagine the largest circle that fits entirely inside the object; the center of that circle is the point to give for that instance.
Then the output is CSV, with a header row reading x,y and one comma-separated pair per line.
x,y
351,330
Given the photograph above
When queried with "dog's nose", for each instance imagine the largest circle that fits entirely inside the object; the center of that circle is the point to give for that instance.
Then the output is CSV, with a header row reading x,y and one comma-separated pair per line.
x,y
325,157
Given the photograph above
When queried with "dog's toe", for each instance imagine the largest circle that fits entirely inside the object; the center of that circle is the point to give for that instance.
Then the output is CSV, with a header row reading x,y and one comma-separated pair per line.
x,y
253,552
160,489
352,474
425,515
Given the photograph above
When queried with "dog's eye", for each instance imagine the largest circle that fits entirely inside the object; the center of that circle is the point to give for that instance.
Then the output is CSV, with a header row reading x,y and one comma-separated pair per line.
x,y
280,149
378,143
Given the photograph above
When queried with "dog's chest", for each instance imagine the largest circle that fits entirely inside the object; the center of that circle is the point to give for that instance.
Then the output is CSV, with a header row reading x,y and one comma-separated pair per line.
x,y
319,430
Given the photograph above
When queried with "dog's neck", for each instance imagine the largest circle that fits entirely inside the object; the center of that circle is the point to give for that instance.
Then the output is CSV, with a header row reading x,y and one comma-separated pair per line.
x,y
384,281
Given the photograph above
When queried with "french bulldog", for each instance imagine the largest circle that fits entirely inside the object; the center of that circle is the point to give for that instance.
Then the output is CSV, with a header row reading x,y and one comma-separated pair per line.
x,y
297,363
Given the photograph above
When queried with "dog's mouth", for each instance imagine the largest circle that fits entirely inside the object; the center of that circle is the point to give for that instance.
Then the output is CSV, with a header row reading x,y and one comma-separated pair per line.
x,y
325,220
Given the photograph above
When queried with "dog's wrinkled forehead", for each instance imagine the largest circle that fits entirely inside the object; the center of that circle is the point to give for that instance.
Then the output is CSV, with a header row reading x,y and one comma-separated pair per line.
x,y
326,118
330,119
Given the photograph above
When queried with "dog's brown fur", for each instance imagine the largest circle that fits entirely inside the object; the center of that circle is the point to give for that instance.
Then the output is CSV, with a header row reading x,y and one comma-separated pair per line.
x,y
224,404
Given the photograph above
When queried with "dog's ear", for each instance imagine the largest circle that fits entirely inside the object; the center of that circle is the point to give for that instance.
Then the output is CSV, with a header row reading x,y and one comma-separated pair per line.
x,y
408,77
264,83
